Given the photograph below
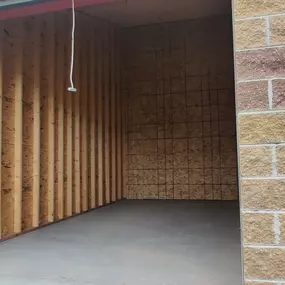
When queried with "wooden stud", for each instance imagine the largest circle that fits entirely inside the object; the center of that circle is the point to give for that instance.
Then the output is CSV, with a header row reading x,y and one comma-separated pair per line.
x,y
51,119
77,97
68,200
123,134
106,80
18,133
119,120
84,116
113,116
36,127
60,120
1,95
92,95
100,119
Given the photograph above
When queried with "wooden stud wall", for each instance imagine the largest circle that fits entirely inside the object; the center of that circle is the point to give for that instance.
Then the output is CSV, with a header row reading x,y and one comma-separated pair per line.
x,y
61,152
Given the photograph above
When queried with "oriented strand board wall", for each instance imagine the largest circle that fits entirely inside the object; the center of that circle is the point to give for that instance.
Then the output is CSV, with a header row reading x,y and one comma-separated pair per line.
x,y
61,152
179,85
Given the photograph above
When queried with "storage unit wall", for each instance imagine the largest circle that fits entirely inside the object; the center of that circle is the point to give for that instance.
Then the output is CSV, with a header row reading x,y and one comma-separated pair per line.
x,y
61,151
179,88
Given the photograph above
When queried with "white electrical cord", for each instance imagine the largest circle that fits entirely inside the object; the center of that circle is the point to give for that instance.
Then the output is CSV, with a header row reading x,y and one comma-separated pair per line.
x,y
72,88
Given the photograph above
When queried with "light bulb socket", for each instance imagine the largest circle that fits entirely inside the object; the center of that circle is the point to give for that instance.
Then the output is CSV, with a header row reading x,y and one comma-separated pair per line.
x,y
72,89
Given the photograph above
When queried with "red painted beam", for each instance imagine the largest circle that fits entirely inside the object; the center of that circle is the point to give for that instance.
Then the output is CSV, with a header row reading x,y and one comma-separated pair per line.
x,y
50,6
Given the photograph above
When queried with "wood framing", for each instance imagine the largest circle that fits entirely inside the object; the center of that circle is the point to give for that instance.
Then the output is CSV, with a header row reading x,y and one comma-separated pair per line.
x,y
113,115
18,133
58,149
107,120
51,142
99,48
84,116
77,98
37,128
60,119
1,98
69,106
92,94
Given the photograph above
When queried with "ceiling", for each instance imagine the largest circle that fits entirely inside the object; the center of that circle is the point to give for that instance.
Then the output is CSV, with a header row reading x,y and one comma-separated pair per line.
x,y
142,12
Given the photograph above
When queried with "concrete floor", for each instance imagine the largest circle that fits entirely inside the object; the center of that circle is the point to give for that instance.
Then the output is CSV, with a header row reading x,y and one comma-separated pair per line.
x,y
131,243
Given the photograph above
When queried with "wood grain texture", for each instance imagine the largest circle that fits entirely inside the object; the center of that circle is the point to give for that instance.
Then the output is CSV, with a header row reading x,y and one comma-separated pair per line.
x,y
69,125
92,94
1,98
60,118
51,118
77,144
58,149
18,175
99,97
118,116
106,96
113,116
83,119
36,128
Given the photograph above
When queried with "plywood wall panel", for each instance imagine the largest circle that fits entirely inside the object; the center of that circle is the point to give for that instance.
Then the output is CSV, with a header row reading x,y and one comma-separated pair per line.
x,y
113,116
1,96
18,145
59,149
8,134
99,115
51,117
60,118
68,121
175,122
106,98
44,85
36,125
92,128
77,140
84,114
118,116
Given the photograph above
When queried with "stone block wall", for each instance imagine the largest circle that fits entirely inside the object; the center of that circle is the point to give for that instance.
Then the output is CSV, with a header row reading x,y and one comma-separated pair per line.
x,y
260,97
181,136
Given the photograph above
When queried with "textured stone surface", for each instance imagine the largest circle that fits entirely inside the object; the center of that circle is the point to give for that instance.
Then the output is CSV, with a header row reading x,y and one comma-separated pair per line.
x,y
261,128
263,194
260,63
278,98
277,27
257,228
250,33
252,95
280,160
245,8
260,283
264,263
255,161
282,228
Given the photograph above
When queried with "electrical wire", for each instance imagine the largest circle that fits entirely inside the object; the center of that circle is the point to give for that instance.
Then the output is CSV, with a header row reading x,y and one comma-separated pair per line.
x,y
72,88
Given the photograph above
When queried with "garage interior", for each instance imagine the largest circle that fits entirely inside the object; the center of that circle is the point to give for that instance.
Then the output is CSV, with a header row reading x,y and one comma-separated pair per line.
x,y
150,134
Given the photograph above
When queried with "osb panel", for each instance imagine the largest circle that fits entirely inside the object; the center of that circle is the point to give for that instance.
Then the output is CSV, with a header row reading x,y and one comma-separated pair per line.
x,y
9,45
27,204
178,80
58,84
44,125
7,199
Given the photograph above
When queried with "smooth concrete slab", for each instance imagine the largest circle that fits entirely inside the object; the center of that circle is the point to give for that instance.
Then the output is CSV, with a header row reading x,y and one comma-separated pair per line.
x,y
131,243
